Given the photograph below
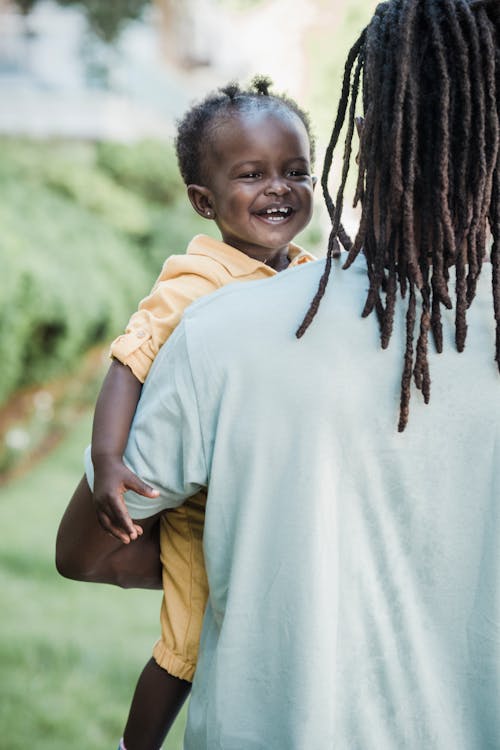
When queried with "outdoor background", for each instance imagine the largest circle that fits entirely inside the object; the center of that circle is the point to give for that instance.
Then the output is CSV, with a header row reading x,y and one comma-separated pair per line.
x,y
90,207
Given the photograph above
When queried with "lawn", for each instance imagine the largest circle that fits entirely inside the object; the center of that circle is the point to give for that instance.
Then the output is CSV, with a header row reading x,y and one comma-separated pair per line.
x,y
70,653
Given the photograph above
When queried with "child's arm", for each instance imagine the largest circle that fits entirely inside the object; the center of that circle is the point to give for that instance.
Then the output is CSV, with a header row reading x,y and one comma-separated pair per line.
x,y
114,412
183,279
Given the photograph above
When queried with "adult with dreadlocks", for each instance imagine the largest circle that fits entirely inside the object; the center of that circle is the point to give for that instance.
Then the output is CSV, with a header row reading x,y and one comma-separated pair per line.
x,y
428,169
245,157
353,568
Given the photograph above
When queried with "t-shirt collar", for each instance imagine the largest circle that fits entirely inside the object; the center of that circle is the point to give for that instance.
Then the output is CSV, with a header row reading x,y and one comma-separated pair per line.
x,y
234,261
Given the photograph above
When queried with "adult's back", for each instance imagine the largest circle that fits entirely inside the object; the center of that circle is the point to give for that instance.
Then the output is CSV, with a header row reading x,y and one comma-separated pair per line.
x,y
352,569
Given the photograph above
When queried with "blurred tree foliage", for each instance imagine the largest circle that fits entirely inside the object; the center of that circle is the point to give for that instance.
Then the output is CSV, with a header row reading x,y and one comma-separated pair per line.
x,y
26,6
144,169
106,18
83,237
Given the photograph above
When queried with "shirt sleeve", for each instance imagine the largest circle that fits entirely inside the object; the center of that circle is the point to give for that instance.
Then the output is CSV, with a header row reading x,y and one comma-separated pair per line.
x,y
165,446
184,278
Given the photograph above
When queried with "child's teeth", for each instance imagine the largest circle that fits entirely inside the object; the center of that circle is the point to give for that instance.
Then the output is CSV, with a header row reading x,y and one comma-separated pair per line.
x,y
276,214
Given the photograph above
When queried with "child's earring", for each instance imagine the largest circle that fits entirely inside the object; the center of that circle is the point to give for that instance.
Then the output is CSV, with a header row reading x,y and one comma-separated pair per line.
x,y
209,213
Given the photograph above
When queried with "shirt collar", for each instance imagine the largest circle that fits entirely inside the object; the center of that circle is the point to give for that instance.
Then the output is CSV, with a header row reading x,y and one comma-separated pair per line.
x,y
237,263
297,255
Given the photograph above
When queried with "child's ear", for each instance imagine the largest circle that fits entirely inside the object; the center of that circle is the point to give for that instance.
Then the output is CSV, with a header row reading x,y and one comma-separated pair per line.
x,y
201,200
314,178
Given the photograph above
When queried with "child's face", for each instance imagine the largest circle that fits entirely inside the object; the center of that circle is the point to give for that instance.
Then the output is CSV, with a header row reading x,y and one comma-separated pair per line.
x,y
259,187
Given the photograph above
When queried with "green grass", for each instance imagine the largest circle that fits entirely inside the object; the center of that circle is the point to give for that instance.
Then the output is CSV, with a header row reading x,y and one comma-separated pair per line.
x,y
70,653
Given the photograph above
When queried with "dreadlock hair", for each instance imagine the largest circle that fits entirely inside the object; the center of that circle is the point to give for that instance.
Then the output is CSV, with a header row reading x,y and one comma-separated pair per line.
x,y
428,168
197,125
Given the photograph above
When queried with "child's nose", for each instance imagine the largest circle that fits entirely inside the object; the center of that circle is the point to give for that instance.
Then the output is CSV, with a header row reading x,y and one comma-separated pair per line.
x,y
277,186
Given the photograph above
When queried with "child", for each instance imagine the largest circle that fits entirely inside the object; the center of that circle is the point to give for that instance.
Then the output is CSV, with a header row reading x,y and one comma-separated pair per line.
x,y
245,157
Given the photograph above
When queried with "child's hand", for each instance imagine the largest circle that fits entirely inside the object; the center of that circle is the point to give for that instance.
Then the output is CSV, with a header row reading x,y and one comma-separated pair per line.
x,y
111,479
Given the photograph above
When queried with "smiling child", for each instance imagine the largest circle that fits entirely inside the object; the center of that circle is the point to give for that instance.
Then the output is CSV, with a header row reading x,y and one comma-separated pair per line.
x,y
245,157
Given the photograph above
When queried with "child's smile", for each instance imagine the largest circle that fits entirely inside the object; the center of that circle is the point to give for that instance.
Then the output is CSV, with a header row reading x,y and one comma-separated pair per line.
x,y
259,185
276,214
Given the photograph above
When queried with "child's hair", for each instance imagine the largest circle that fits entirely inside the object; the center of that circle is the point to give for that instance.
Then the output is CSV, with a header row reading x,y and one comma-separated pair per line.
x,y
194,130
430,154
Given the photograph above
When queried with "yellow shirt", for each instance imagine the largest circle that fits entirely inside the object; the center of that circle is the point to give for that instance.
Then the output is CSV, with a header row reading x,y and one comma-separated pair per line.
x,y
208,265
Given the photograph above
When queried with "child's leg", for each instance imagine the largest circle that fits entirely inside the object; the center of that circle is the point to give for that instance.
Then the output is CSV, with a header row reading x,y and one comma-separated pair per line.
x,y
85,552
157,700
166,679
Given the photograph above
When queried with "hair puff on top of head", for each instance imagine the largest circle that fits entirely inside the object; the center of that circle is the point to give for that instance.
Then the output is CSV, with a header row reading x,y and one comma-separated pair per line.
x,y
231,90
262,84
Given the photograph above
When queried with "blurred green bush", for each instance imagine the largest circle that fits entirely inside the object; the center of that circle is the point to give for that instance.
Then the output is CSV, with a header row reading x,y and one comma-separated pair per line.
x,y
85,230
148,168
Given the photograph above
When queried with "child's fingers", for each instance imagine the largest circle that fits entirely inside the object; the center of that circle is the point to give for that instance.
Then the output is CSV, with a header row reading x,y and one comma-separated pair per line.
x,y
116,531
120,518
123,536
115,519
137,485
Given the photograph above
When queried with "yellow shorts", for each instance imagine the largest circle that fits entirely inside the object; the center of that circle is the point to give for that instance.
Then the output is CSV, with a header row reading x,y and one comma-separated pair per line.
x,y
185,587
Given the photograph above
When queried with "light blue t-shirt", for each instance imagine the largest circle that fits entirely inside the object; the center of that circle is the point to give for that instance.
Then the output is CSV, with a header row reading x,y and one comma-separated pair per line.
x,y
353,571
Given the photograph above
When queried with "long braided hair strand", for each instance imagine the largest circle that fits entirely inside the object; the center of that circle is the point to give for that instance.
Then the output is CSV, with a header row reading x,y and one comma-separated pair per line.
x,y
428,169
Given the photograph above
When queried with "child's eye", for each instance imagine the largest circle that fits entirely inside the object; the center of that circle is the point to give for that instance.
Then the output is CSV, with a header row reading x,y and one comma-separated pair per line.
x,y
250,175
298,173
